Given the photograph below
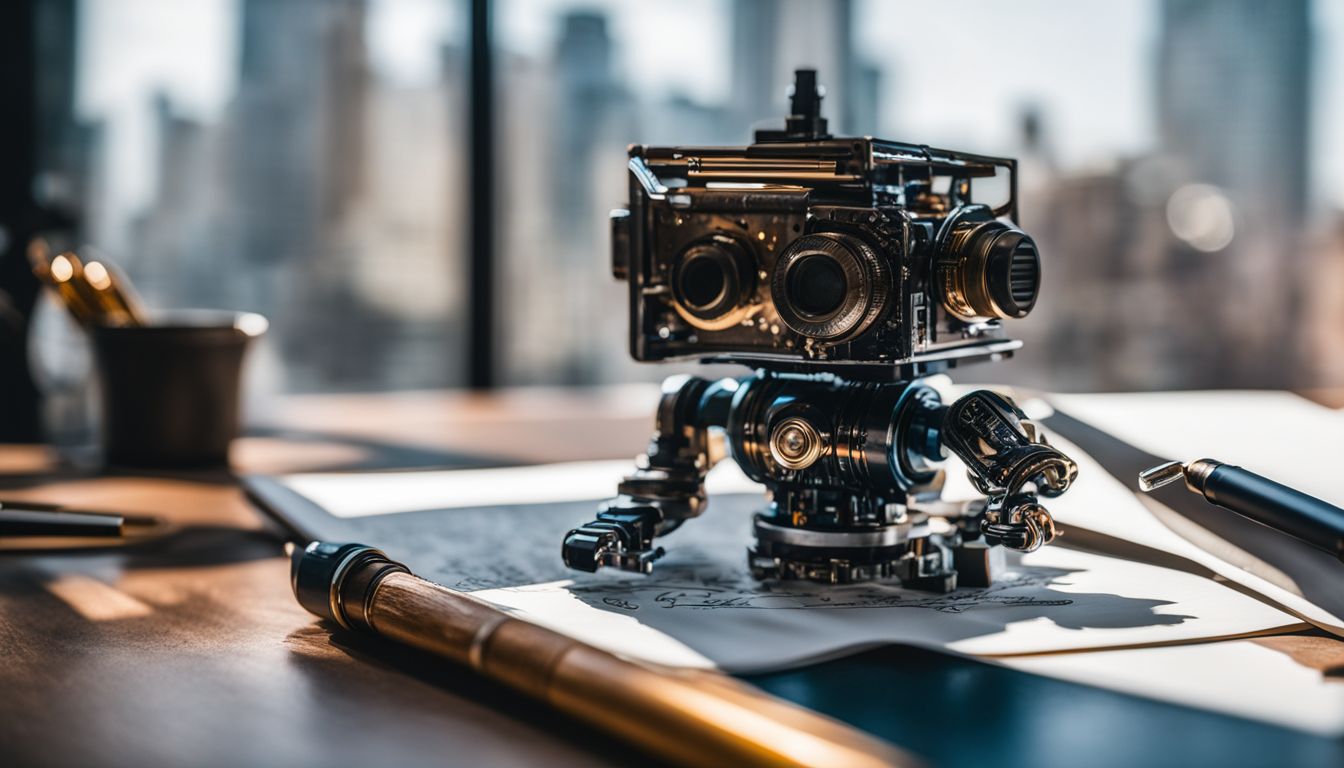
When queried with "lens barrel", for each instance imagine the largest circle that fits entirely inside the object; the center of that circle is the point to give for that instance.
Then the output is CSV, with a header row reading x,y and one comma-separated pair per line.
x,y
987,270
712,281
829,286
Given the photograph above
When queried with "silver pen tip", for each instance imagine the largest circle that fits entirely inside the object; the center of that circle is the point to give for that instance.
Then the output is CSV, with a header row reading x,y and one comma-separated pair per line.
x,y
1163,474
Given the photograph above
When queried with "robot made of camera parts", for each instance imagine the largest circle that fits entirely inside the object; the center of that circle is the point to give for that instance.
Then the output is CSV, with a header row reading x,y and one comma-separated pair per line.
x,y
842,271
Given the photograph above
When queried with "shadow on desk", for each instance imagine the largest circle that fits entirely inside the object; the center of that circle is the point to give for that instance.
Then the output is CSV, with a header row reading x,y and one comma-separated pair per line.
x,y
320,650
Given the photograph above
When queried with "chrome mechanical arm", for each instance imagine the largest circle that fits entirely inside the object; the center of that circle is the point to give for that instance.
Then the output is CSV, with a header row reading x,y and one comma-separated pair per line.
x,y
1008,459
667,488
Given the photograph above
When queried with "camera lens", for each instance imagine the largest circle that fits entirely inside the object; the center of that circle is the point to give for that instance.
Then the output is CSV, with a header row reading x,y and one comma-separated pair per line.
x,y
829,286
711,281
702,282
817,285
988,270
1014,275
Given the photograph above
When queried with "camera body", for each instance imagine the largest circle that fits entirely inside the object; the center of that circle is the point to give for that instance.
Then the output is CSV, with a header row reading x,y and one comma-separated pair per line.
x,y
841,270
857,256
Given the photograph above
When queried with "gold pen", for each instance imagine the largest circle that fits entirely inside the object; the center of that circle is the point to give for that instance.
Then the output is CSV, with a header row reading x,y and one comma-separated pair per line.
x,y
66,276
120,304
95,293
689,717
57,273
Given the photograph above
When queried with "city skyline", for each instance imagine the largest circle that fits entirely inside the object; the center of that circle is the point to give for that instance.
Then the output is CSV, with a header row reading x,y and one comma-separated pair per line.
x,y
331,172
191,53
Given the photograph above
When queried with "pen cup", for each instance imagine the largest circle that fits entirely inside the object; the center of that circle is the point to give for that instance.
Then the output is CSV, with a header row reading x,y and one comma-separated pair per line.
x,y
170,390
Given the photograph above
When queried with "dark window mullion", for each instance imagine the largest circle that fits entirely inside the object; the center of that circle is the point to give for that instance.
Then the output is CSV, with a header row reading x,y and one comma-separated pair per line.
x,y
481,297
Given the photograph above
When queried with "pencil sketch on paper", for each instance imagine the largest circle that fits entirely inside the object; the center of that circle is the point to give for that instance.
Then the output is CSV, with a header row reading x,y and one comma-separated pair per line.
x,y
686,589
702,608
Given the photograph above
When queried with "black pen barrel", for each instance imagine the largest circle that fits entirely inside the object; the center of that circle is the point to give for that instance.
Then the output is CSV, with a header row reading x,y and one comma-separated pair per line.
x,y
1304,517
46,522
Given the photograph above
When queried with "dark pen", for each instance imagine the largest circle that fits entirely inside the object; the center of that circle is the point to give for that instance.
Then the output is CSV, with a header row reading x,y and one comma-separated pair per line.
x,y
1305,518
23,518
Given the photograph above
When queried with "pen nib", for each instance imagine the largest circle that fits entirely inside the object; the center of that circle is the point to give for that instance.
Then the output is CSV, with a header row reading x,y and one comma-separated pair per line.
x,y
1163,474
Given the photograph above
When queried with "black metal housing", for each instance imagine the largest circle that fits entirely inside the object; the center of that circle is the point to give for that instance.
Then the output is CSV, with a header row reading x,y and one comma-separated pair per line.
x,y
885,213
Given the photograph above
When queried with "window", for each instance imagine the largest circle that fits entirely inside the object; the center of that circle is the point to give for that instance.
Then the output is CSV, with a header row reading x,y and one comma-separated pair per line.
x,y
299,158
310,159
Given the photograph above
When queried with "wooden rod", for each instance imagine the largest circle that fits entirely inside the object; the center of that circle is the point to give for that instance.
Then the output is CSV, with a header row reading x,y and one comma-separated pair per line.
x,y
691,717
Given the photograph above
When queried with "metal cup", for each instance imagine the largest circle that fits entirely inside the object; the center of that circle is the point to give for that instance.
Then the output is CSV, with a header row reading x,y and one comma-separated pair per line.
x,y
170,390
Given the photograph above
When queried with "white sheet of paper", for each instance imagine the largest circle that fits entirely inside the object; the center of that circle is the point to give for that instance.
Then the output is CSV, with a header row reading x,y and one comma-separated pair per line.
x,y
1239,677
701,608
1054,600
1277,434
363,494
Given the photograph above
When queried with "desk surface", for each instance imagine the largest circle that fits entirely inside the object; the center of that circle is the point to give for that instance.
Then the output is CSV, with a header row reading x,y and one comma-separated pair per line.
x,y
191,648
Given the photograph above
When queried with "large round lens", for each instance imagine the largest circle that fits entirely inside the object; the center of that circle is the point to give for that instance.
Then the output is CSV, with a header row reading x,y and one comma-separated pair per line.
x,y
702,281
817,285
829,286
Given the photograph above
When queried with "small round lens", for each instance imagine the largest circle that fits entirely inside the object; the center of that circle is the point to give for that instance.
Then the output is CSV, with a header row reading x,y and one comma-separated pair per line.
x,y
703,281
1017,290
712,282
987,269
817,286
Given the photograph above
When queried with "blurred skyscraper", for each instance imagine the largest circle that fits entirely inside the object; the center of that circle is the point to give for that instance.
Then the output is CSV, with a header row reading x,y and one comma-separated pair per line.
x,y
1188,267
565,316
567,117
329,194
295,150
1325,307
1233,110
772,38
66,184
321,198
1234,95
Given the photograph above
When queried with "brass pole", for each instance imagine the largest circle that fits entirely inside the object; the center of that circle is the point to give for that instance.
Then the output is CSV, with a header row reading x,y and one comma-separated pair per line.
x,y
691,717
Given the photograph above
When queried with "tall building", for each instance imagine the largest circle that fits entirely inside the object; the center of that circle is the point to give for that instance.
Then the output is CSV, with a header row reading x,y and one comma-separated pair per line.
x,y
1187,267
591,103
63,153
1233,97
262,211
324,198
772,38
567,123
754,85
1233,112
295,144
1324,328
177,260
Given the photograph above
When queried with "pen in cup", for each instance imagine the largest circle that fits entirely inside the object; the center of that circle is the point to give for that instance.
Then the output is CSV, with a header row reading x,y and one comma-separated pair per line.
x,y
95,293
115,296
59,273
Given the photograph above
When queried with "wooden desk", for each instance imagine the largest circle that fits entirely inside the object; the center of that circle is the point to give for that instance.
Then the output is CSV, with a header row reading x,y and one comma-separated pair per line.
x,y
192,651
